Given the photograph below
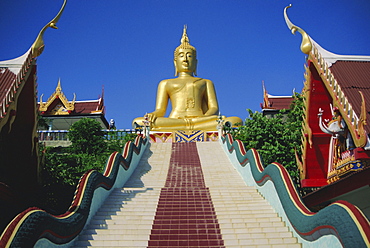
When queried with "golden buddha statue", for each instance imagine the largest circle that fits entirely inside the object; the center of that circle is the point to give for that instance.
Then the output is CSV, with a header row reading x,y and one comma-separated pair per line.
x,y
193,99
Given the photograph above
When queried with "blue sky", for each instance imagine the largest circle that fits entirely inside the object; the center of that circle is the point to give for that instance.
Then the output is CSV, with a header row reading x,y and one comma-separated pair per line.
x,y
127,46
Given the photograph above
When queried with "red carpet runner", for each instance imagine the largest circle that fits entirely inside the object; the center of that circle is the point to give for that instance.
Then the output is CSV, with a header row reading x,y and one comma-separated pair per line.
x,y
185,215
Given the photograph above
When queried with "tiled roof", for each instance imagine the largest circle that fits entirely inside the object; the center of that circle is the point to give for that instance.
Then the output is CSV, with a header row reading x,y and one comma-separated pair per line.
x,y
12,74
354,76
277,102
84,107
280,102
7,79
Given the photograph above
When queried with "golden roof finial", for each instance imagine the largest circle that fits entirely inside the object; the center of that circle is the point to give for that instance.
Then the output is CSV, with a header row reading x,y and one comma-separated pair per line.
x,y
185,42
38,45
59,87
41,99
306,45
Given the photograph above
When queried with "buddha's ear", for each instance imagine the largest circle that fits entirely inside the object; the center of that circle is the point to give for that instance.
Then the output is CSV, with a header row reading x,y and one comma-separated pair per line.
x,y
196,66
176,71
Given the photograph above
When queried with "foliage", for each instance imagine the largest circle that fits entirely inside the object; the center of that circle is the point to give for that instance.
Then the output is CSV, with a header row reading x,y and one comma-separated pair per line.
x,y
67,168
87,137
42,123
63,167
60,174
116,141
277,138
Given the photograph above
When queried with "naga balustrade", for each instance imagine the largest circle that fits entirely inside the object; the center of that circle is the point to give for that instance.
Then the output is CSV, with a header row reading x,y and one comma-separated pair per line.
x,y
35,227
339,224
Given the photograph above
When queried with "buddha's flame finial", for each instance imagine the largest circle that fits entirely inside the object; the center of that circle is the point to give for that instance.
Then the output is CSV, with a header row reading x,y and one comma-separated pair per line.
x,y
185,43
38,45
306,45
185,38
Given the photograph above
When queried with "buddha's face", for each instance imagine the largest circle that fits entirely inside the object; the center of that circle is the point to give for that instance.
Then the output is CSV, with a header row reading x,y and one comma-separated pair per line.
x,y
186,61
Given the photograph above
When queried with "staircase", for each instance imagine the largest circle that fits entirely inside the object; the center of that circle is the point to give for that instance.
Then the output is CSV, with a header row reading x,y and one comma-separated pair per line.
x,y
186,195
246,219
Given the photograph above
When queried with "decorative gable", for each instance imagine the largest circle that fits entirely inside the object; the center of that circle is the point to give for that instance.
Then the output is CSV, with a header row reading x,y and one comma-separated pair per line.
x,y
335,139
57,104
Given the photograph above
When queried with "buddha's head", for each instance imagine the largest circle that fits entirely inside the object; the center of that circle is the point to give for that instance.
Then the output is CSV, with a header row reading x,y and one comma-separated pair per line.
x,y
185,56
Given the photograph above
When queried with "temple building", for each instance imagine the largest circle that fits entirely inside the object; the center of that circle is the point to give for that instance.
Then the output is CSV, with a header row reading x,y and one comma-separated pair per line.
x,y
19,167
335,146
60,113
273,104
18,122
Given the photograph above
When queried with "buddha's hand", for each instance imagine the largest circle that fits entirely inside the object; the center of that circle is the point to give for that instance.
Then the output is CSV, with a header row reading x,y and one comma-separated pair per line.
x,y
151,117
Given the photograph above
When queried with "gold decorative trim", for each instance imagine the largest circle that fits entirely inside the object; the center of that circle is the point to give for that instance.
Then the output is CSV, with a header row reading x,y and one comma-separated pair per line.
x,y
38,46
212,136
67,107
355,125
170,136
306,45
306,130
301,167
163,137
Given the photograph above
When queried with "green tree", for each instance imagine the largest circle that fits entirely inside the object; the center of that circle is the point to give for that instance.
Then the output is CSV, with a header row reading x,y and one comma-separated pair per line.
x,y
116,141
42,123
87,137
276,139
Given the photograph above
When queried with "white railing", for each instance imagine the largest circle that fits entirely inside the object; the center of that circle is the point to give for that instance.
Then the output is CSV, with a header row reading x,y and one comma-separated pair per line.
x,y
62,135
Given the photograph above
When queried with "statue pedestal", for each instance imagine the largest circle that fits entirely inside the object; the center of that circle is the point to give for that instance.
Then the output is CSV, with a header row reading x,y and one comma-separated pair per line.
x,y
183,136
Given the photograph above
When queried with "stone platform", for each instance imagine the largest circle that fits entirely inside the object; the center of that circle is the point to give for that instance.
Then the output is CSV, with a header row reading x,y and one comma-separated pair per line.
x,y
183,136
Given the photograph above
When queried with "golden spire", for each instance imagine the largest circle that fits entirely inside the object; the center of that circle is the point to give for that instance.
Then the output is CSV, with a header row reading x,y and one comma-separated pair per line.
x,y
185,43
38,45
59,87
306,45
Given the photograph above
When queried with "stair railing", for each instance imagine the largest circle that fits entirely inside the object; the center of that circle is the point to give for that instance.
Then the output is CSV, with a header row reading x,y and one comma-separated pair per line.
x,y
339,224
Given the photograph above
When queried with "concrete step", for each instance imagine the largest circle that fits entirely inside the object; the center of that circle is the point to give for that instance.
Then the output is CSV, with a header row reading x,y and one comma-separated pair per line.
x,y
126,218
112,243
246,219
129,216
